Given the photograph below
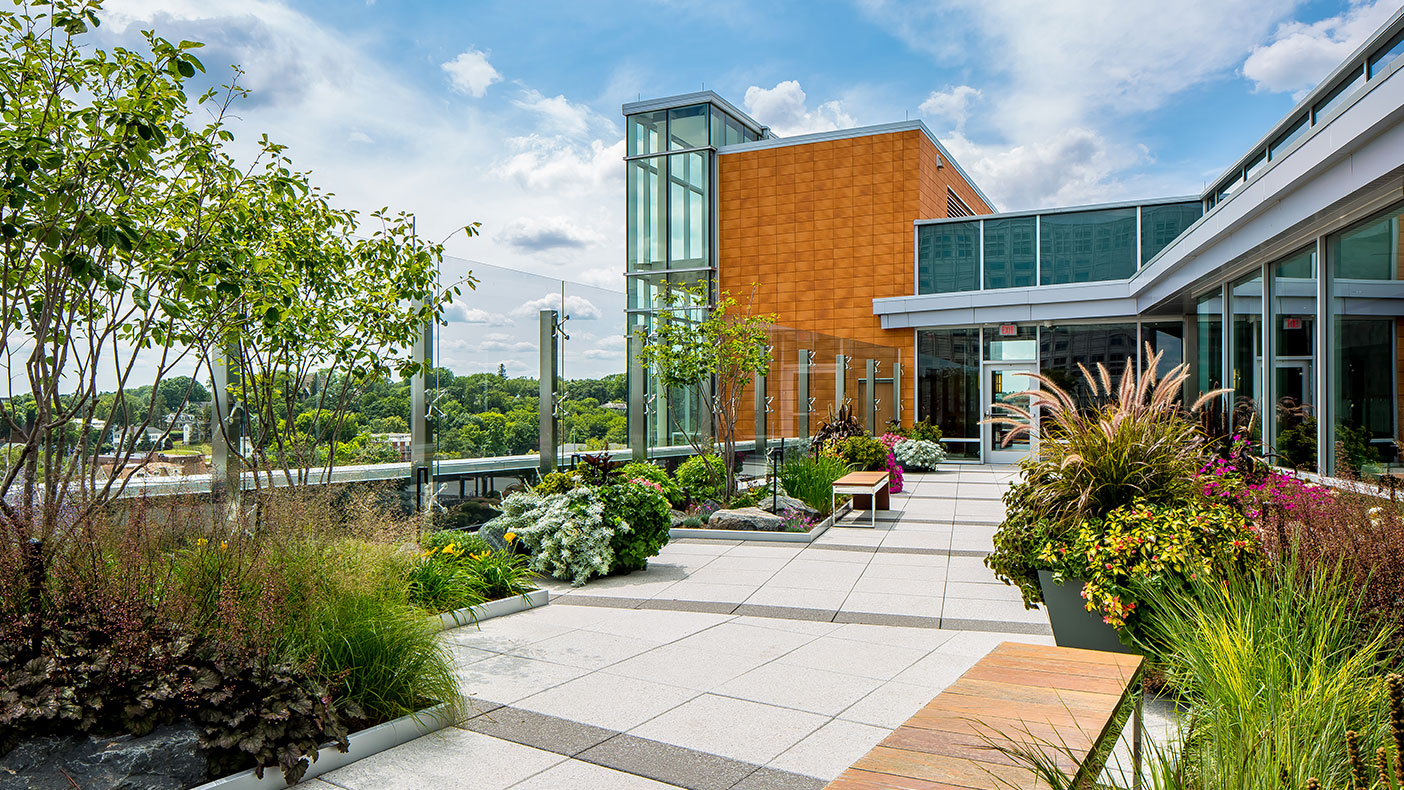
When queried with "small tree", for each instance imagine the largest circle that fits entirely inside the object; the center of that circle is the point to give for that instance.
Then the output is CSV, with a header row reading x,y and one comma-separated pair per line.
x,y
726,346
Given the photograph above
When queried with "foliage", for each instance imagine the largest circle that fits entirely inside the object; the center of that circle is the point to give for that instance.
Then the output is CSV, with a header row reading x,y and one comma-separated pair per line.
x,y
925,431
1276,669
111,667
644,518
895,477
1138,548
462,543
690,345
567,534
647,471
862,452
839,425
558,482
811,479
596,469
1093,458
495,575
795,521
1354,452
380,657
438,584
1019,542
919,454
700,479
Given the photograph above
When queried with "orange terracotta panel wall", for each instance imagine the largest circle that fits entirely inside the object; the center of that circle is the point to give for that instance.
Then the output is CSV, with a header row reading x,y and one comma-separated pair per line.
x,y
825,228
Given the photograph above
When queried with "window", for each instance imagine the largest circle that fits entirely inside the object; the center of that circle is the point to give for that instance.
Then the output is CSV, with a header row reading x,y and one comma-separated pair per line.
x,y
1294,360
1387,54
687,127
1283,141
1063,348
1209,343
1246,355
1161,225
948,387
1338,95
645,206
1088,246
1010,252
646,131
948,257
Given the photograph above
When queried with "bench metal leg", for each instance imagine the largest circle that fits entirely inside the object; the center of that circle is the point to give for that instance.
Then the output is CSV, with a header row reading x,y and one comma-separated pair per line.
x,y
1136,729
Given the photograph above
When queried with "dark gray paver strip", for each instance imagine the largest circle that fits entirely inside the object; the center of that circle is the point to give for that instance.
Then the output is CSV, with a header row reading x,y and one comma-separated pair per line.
x,y
538,730
771,779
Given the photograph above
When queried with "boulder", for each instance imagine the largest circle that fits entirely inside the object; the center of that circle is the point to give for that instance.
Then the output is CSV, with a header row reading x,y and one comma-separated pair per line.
x,y
745,518
783,503
169,758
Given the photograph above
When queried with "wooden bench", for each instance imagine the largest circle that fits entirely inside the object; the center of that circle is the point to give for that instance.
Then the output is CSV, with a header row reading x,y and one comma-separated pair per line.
x,y
1061,701
871,485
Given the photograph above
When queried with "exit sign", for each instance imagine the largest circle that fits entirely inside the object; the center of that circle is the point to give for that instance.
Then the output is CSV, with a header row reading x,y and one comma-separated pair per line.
x,y
1294,323
1008,330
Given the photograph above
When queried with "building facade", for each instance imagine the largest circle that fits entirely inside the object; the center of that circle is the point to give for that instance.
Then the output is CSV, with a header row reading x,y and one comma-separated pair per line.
x,y
1283,281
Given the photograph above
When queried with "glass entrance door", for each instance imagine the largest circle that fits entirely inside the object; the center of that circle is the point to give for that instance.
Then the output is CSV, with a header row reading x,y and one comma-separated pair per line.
x,y
1003,383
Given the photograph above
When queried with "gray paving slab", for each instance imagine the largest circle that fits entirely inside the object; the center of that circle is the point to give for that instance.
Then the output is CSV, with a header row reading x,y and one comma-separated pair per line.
x,y
538,730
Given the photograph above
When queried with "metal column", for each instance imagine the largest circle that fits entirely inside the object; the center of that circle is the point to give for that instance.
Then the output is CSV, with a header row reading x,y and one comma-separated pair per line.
x,y
803,407
638,407
421,433
547,393
761,407
840,378
226,430
897,392
870,396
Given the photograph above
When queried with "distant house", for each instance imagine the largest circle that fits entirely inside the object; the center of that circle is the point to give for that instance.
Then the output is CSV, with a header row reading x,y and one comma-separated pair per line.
x,y
400,441
615,406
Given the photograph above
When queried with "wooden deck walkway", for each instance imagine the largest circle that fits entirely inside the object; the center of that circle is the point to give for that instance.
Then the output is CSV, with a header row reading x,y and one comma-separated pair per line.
x,y
1062,701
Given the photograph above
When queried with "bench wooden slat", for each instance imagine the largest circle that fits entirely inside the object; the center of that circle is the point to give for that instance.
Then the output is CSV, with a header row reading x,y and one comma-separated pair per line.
x,y
1061,701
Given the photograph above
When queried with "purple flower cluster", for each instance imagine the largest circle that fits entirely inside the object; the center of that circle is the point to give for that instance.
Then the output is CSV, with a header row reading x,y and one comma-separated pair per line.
x,y
894,474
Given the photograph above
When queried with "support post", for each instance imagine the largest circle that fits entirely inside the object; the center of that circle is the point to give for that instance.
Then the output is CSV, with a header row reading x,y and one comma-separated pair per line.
x,y
546,402
760,416
802,408
897,392
225,480
840,379
421,430
638,409
870,396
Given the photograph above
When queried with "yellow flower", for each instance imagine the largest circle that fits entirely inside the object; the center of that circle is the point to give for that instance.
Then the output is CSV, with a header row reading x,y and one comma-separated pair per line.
x,y
201,542
509,537
427,553
223,545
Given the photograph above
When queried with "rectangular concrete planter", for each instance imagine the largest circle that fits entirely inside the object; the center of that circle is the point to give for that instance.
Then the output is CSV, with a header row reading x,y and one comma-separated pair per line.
x,y
365,743
677,533
486,611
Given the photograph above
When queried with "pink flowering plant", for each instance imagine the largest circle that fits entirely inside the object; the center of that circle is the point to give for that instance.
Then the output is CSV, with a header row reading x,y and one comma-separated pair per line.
x,y
1141,546
894,474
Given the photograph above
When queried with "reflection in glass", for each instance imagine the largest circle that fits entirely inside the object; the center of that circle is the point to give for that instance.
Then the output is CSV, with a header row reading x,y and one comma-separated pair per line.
x,y
1209,343
1087,246
687,127
1010,253
1167,337
1293,360
1063,348
687,222
1005,388
948,387
1021,346
645,225
646,130
948,257
1246,356
1367,314
1161,225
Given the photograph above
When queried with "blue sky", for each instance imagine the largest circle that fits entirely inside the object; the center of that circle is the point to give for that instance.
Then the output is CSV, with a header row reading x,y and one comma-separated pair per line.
x,y
508,113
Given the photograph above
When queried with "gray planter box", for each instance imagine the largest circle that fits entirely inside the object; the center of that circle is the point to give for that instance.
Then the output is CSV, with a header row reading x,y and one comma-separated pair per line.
x,y
1073,625
487,611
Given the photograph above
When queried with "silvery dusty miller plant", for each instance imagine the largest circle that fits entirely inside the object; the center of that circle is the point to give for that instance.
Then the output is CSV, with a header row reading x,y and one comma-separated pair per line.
x,y
918,454
567,534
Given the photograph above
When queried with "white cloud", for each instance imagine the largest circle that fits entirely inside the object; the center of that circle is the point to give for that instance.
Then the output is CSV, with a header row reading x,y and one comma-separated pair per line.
x,y
577,307
557,164
1063,78
357,136
1299,55
783,109
471,73
535,234
458,313
559,114
951,106
501,341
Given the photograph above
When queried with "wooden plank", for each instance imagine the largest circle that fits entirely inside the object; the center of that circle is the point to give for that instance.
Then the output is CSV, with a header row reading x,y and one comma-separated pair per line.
x,y
1056,667
856,779
1038,678
1024,730
1015,692
862,479
1042,652
947,770
973,747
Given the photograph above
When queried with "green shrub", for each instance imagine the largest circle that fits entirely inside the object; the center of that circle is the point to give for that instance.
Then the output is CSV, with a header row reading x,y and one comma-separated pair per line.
x,y
811,480
864,453
647,471
925,431
648,517
381,658
462,542
558,483
702,478
1275,669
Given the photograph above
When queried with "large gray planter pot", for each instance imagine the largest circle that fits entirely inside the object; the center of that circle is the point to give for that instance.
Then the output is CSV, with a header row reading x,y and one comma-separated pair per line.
x,y
1073,625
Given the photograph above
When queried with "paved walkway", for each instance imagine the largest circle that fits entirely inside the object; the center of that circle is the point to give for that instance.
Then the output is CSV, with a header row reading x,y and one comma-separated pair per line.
x,y
725,664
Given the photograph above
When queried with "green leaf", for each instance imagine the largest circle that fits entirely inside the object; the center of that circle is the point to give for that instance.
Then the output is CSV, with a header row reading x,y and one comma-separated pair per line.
x,y
185,68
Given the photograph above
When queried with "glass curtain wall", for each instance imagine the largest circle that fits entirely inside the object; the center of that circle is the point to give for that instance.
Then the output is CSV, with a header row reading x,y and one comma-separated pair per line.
x,y
1209,343
1366,290
1063,348
1087,246
948,257
1294,360
669,183
1246,356
1011,252
948,387
1167,338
